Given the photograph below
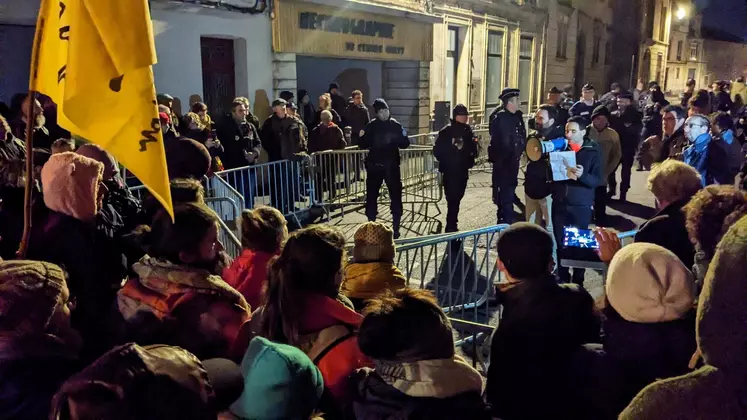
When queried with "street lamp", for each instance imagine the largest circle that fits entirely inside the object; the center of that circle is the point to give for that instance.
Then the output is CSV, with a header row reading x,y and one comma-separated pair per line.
x,y
681,13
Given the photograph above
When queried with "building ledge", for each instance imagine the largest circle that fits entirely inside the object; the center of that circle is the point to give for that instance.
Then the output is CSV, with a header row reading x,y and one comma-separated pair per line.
x,y
388,9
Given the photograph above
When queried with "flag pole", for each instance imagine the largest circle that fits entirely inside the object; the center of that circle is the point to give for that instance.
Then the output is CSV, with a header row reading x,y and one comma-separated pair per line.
x,y
27,213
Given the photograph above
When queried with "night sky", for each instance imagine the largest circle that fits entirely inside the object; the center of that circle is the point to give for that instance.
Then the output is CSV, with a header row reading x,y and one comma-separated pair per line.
x,y
728,15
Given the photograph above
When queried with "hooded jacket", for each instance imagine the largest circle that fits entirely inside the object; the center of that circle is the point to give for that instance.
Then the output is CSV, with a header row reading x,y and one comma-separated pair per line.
x,y
580,192
718,389
697,156
173,304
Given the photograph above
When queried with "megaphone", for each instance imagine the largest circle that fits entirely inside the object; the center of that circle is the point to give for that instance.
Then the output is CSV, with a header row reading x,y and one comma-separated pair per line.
x,y
537,148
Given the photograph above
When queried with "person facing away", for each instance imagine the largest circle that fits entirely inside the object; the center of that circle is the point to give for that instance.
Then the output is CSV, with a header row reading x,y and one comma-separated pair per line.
x,y
383,137
456,150
301,308
609,99
649,318
696,155
372,270
609,143
306,110
176,295
356,116
573,199
263,231
537,182
687,93
326,135
508,138
543,326
717,389
338,102
700,103
416,373
626,121
240,140
725,156
39,349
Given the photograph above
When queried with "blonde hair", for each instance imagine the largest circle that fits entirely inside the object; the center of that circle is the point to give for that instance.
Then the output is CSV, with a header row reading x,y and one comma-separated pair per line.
x,y
327,100
192,117
673,181
263,229
244,100
5,125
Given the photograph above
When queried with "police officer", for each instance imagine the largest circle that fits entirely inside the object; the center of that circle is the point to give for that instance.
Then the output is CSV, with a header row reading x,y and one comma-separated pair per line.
x,y
584,107
455,150
508,137
627,121
383,137
537,180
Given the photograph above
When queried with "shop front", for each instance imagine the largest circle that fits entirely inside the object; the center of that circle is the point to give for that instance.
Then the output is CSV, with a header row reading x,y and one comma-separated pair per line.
x,y
383,52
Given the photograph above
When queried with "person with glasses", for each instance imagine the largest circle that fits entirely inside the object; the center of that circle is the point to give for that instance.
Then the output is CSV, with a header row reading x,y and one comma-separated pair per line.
x,y
697,130
673,127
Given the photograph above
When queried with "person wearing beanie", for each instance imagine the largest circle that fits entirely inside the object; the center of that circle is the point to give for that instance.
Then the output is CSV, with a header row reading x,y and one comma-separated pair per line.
x,y
715,390
383,137
541,336
187,158
455,149
70,235
586,105
372,270
38,347
416,373
149,383
609,143
627,122
649,318
280,382
338,101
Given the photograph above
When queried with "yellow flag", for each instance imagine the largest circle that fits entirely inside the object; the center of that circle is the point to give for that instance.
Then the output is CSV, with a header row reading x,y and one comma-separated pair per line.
x,y
94,58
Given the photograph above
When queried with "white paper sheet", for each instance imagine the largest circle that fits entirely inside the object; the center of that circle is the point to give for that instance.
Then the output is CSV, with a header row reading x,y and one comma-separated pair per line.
x,y
560,162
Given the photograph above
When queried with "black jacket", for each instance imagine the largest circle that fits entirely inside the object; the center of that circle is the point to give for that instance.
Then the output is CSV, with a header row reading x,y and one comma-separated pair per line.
x,y
581,192
722,102
326,138
383,139
542,326
240,141
283,138
508,137
307,112
628,125
725,158
652,123
673,146
667,229
639,354
455,149
537,179
356,117
338,105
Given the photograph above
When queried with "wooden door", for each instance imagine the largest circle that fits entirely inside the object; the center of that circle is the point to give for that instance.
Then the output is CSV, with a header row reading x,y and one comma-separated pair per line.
x,y
218,74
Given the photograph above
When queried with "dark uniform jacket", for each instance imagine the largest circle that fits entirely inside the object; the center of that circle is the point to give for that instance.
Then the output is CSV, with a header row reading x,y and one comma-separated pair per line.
x,y
508,137
455,148
240,141
283,138
537,180
383,139
628,125
581,109
580,192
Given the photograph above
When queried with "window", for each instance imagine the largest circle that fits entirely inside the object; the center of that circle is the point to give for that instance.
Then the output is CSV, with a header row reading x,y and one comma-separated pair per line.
x,y
452,61
650,12
677,73
690,74
679,50
493,85
694,52
659,67
526,45
562,46
663,24
597,46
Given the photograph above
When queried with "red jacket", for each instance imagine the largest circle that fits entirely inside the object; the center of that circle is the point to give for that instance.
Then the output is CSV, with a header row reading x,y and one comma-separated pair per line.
x,y
248,275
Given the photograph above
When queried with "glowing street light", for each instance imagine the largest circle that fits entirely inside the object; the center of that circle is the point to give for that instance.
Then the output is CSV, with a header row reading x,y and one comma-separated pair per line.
x,y
681,13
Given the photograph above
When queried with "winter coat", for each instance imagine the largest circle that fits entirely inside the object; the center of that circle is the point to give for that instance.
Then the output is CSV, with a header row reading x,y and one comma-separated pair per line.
x,y
543,325
717,390
725,158
580,192
248,275
628,126
697,156
609,143
166,303
383,139
508,139
685,98
652,124
434,389
363,281
307,112
318,117
240,141
326,137
32,368
43,138
356,117
338,106
609,100
455,149
584,110
283,138
667,229
673,146
538,179
722,102
639,354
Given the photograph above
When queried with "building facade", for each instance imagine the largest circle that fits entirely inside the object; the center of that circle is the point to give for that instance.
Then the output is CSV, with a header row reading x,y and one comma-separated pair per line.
x,y
686,56
654,45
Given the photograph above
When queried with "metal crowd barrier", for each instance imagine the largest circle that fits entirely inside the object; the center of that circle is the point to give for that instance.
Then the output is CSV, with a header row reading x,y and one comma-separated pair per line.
x,y
230,242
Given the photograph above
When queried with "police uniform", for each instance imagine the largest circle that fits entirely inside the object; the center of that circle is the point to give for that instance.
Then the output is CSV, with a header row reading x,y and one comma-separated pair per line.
x,y
582,109
456,150
383,139
508,138
628,124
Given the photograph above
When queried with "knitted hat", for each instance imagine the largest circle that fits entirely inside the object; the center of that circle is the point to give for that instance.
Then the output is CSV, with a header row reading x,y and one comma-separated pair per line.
x,y
374,242
460,110
601,110
70,183
647,283
380,104
280,382
187,158
29,294
333,85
